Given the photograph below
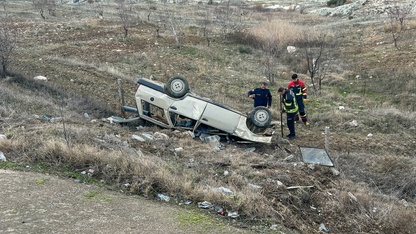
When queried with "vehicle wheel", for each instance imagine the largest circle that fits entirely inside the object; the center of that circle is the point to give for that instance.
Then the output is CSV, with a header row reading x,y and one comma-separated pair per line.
x,y
261,117
177,87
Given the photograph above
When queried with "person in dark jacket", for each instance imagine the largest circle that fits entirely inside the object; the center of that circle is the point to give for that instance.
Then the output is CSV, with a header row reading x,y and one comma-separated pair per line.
x,y
261,96
290,107
299,88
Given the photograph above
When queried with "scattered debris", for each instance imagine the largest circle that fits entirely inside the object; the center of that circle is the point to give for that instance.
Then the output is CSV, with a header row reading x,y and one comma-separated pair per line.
x,y
2,157
354,123
370,135
179,149
188,202
42,78
252,149
352,196
226,173
139,138
254,186
291,49
289,158
233,215
341,107
224,190
323,228
335,171
299,187
204,205
148,136
3,137
163,197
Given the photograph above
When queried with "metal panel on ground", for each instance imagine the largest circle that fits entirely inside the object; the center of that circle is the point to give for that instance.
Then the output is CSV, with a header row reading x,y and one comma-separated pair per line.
x,y
316,156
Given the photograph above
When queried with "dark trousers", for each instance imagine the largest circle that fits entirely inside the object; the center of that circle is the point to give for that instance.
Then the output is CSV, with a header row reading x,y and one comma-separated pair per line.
x,y
291,123
302,112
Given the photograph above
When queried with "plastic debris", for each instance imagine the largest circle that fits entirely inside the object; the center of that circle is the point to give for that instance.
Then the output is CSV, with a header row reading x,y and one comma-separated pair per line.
x,y
226,173
179,149
148,136
2,136
323,228
139,138
188,202
2,157
291,49
233,215
88,172
254,186
57,119
86,115
42,78
204,205
163,197
370,135
219,210
252,149
354,123
224,190
191,134
214,138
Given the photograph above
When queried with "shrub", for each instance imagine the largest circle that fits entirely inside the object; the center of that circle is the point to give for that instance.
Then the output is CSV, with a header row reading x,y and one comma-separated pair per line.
x,y
244,49
335,2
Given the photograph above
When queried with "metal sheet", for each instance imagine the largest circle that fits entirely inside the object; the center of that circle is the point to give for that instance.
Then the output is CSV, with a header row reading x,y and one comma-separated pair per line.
x,y
316,156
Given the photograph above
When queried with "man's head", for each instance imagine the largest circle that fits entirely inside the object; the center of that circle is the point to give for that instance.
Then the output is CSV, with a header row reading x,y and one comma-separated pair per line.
x,y
295,77
263,85
281,90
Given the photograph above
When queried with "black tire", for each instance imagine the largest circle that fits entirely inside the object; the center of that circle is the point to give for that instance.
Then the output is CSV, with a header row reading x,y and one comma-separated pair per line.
x,y
177,87
260,117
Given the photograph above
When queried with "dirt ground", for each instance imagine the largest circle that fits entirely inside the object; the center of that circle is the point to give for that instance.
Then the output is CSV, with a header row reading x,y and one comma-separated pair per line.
x,y
38,203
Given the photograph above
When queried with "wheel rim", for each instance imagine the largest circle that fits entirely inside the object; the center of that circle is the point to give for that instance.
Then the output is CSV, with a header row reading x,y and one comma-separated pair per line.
x,y
177,86
261,116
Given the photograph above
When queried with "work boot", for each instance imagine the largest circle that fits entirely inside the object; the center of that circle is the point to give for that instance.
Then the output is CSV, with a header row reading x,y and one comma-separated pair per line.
x,y
292,137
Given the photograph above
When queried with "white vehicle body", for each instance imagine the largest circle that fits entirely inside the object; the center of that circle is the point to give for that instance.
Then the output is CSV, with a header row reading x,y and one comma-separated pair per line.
x,y
156,105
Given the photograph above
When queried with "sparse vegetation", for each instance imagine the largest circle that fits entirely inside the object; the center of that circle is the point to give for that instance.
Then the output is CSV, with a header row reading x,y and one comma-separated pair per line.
x,y
372,82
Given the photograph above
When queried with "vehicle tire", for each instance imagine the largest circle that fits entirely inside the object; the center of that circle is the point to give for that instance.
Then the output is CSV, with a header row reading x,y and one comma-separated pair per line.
x,y
177,87
260,117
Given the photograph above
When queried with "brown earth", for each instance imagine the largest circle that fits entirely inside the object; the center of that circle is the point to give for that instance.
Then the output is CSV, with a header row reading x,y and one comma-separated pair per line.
x,y
39,203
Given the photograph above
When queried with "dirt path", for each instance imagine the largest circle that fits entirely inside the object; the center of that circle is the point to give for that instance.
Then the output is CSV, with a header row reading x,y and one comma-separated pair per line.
x,y
39,203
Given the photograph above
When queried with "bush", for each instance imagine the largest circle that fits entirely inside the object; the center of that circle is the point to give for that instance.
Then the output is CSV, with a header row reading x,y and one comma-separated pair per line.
x,y
244,50
335,2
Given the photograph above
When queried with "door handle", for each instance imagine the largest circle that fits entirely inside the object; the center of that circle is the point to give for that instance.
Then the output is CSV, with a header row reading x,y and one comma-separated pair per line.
x,y
173,107
204,119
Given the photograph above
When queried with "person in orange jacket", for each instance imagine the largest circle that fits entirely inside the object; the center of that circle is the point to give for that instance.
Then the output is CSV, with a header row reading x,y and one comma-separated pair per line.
x,y
299,88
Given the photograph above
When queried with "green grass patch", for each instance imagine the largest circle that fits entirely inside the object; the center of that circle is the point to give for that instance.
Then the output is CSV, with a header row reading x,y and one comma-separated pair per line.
x,y
10,165
190,217
40,181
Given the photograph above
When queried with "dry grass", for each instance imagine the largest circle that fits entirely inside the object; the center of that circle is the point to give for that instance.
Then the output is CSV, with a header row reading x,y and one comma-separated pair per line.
x,y
375,192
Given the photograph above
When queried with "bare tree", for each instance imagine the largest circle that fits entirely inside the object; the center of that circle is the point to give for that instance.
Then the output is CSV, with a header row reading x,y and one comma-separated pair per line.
x,y
398,15
40,5
7,45
206,26
125,12
4,3
51,6
317,61
99,9
271,52
229,18
174,23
